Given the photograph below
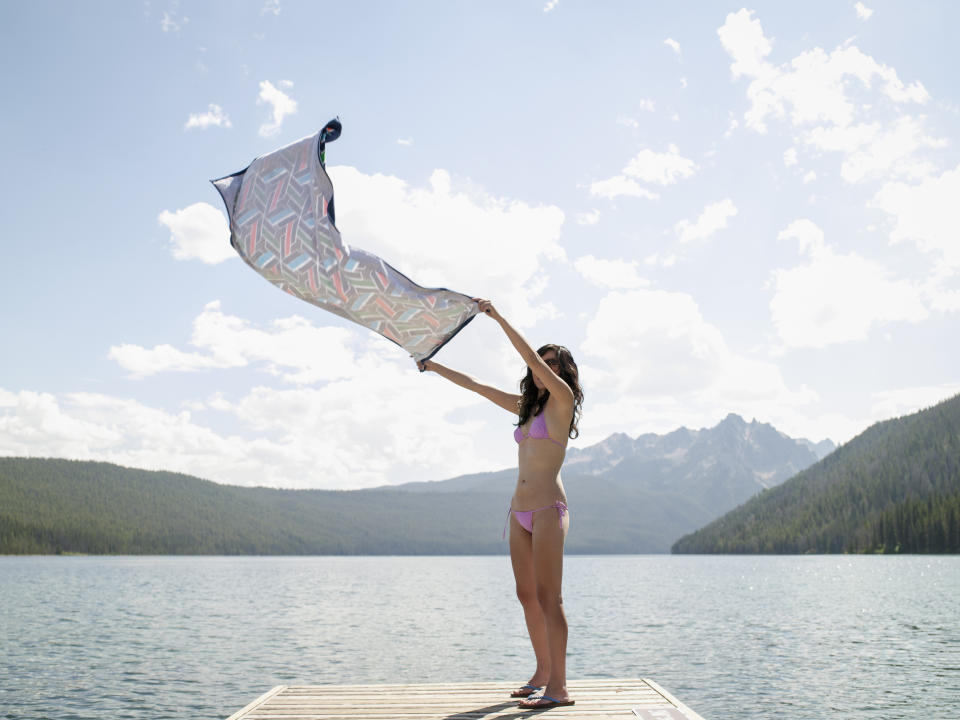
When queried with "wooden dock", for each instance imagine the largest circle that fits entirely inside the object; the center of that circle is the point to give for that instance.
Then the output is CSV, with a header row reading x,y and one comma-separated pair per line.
x,y
627,699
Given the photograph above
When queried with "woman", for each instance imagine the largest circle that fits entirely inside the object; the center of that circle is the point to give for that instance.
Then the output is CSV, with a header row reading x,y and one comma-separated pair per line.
x,y
548,407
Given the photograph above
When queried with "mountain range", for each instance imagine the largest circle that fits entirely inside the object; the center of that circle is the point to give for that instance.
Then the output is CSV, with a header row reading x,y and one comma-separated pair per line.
x,y
895,488
626,495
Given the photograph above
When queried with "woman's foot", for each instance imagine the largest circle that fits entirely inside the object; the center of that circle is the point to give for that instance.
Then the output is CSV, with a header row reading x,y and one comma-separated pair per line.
x,y
534,684
546,700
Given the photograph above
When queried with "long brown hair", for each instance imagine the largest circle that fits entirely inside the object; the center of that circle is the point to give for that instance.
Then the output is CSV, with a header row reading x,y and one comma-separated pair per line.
x,y
532,403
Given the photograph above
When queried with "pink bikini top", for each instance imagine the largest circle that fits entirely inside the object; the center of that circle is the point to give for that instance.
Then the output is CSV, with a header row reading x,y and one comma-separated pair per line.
x,y
538,431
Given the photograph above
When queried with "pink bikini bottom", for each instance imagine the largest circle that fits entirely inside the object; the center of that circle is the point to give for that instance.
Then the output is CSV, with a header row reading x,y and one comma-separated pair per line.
x,y
525,517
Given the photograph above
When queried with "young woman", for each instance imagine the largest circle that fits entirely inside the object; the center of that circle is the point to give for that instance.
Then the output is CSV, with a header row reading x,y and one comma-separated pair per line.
x,y
548,407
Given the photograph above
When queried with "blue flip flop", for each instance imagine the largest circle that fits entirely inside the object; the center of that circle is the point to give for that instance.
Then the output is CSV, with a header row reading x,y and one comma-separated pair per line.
x,y
526,691
542,702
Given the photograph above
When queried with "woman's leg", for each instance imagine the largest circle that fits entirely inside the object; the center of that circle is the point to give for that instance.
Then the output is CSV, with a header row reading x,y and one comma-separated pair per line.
x,y
547,547
521,557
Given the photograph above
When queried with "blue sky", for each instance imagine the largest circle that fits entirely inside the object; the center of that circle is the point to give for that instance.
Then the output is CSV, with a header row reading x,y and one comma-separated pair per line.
x,y
718,208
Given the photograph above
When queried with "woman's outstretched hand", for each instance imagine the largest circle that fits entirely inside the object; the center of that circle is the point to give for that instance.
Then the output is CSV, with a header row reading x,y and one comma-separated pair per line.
x,y
486,307
424,365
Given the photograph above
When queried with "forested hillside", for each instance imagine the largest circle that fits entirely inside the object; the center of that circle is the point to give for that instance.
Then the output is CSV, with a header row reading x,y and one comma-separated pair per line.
x,y
893,488
50,506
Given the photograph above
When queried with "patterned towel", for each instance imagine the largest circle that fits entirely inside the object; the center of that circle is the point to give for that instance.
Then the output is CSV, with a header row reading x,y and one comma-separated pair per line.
x,y
282,224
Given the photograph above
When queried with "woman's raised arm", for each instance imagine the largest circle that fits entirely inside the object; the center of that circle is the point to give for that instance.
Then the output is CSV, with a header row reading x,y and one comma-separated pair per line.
x,y
507,401
551,381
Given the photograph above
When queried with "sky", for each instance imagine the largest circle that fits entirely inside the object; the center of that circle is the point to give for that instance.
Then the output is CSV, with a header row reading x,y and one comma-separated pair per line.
x,y
719,208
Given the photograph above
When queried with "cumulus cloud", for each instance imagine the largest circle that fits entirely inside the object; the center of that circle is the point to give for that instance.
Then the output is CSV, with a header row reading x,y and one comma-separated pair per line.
x,y
713,218
280,103
661,260
660,168
647,166
742,37
588,218
825,95
835,297
619,185
198,232
926,213
872,150
336,436
614,274
662,363
290,348
441,236
213,117
863,12
815,85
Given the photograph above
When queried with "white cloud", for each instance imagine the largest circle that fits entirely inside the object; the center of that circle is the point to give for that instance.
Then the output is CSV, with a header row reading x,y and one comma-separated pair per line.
x,y
141,361
815,84
588,218
656,259
825,95
809,177
743,38
198,232
271,7
673,45
863,12
643,104
171,22
834,297
713,218
875,151
655,342
790,157
665,365
660,168
614,274
650,167
927,214
281,105
33,423
337,436
406,142
292,348
906,401
551,5
412,228
213,117
620,185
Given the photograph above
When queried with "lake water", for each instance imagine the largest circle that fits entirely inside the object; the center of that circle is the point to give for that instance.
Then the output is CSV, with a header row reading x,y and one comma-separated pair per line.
x,y
733,637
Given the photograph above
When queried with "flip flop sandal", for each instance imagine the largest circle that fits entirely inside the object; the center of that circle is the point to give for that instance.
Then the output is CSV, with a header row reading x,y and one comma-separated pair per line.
x,y
526,691
542,702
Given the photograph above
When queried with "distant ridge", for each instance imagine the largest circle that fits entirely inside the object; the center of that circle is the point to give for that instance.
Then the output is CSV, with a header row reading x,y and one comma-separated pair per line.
x,y
626,496
893,488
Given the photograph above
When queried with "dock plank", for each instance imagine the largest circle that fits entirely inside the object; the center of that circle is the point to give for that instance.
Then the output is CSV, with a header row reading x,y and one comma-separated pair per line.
x,y
600,699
